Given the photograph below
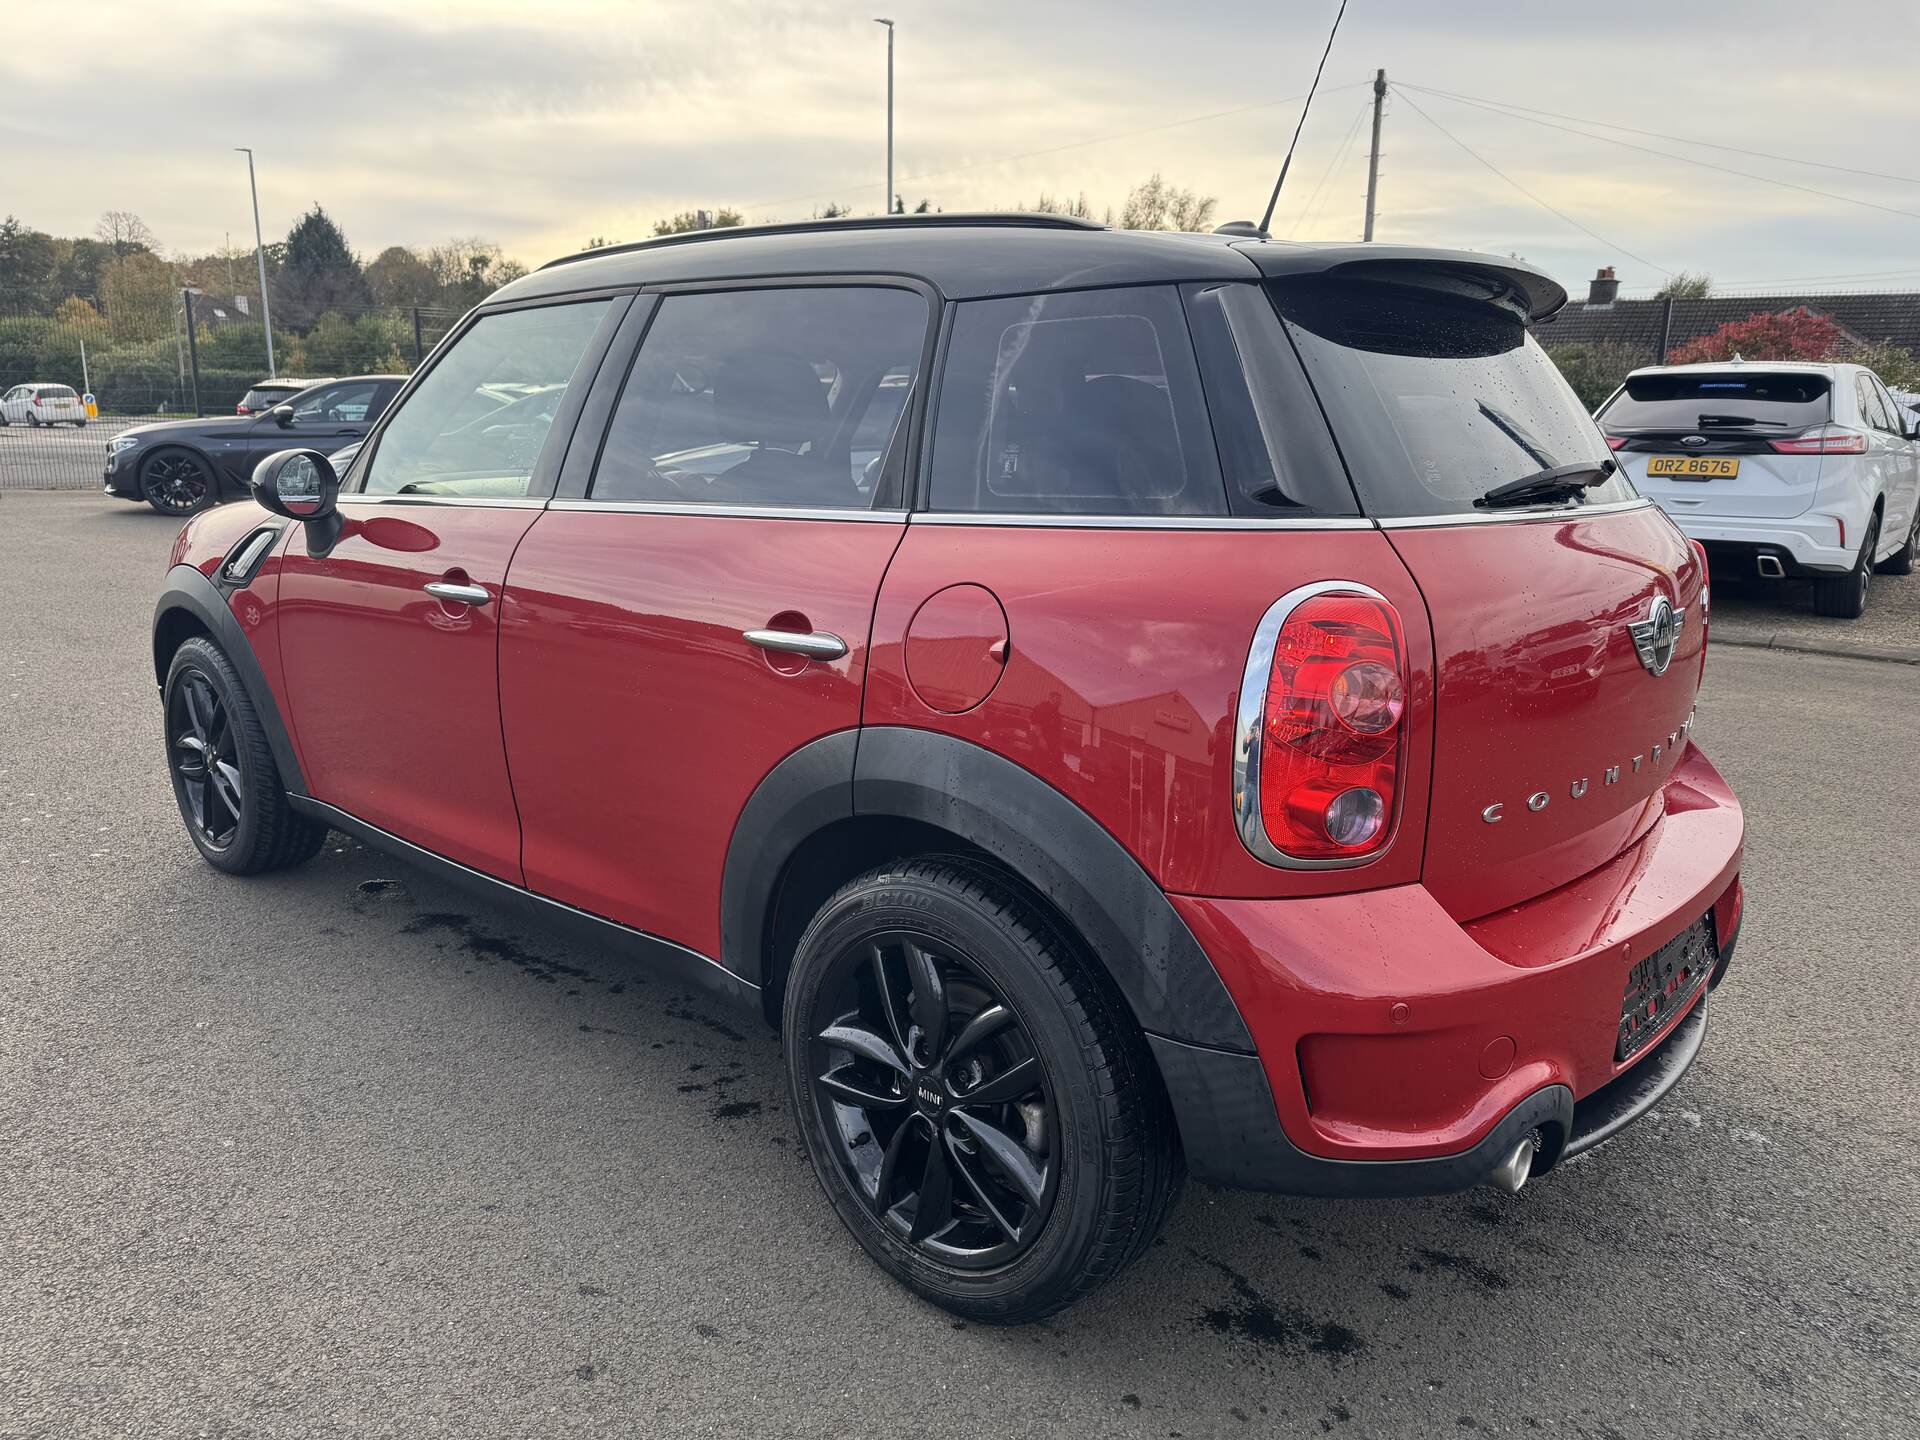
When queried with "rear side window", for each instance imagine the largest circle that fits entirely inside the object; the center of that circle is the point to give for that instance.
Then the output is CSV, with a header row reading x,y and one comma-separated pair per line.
x,y
1436,399
788,398
1731,399
1082,403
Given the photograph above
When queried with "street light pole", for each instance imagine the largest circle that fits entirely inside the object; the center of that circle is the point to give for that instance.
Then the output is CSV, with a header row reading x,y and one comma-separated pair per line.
x,y
260,254
889,25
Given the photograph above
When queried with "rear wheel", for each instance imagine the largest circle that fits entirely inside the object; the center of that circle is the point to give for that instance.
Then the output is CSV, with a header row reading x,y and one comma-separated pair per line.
x,y
176,482
1901,562
980,1108
224,778
1844,597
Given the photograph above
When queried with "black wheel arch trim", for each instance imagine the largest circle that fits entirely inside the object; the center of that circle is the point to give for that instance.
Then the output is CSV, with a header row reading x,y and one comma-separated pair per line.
x,y
1009,814
189,592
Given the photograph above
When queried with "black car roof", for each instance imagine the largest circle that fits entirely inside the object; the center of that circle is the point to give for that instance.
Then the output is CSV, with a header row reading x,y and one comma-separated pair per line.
x,y
970,256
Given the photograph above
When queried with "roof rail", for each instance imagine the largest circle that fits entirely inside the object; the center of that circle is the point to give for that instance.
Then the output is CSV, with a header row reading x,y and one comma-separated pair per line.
x,y
1032,219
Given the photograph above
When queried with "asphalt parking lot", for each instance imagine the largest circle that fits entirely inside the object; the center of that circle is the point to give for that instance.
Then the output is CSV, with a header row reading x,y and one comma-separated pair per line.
x,y
343,1152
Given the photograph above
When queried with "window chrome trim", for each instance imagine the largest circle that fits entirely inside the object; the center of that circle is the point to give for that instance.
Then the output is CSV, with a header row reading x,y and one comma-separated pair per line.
x,y
1246,733
1040,520
484,502
751,512
1505,517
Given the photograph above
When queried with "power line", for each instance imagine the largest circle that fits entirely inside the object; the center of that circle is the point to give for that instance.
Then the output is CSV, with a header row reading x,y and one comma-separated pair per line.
x,y
1339,157
1684,159
1591,234
1048,150
1656,135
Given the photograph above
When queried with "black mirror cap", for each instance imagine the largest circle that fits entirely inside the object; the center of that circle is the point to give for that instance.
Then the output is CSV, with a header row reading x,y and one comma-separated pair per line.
x,y
299,484
282,415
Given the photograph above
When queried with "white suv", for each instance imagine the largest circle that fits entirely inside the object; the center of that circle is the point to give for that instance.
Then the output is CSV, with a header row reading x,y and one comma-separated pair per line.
x,y
1802,471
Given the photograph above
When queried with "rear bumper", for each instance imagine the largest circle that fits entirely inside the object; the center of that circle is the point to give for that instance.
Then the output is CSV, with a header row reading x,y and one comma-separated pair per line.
x,y
1807,544
1402,1052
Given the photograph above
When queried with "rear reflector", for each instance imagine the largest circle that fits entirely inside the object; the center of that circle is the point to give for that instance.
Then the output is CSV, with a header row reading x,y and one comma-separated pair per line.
x,y
1830,440
1321,728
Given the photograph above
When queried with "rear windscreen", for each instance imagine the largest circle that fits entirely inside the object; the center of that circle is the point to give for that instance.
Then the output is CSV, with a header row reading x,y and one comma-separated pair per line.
x,y
1434,399
263,399
56,392
1703,400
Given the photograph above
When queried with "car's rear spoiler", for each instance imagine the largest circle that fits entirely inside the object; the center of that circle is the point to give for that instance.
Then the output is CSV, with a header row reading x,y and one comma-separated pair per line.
x,y
1464,272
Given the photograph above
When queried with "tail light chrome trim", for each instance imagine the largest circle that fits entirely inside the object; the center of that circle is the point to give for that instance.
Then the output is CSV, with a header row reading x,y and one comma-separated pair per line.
x,y
1249,721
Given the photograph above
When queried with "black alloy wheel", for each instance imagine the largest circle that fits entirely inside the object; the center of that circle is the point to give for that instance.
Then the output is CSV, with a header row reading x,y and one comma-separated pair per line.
x,y
204,753
939,1108
979,1104
175,482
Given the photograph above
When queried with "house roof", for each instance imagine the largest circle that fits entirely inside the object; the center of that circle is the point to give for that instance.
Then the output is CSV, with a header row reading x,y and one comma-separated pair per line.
x,y
1869,316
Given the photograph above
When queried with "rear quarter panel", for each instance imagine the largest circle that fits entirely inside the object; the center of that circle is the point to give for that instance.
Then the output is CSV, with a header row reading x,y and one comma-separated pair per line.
x,y
1126,652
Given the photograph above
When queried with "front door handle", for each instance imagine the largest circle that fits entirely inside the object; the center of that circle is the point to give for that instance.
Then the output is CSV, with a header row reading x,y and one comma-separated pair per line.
x,y
457,594
819,645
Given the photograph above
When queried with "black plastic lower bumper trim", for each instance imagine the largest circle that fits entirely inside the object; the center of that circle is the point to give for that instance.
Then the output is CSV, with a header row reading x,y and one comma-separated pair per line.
x,y
1610,1109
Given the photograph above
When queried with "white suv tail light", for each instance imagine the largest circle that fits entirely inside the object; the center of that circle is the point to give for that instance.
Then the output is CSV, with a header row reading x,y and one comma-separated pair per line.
x,y
1828,440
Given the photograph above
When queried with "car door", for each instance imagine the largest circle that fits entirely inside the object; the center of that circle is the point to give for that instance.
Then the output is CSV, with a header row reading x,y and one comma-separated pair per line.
x,y
389,640
697,608
10,406
1903,488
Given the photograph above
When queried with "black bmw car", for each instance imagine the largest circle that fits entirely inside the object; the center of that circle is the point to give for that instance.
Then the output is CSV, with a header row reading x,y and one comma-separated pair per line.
x,y
180,466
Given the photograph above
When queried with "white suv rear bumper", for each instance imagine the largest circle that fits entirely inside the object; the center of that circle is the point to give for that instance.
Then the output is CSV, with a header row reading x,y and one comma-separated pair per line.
x,y
1812,539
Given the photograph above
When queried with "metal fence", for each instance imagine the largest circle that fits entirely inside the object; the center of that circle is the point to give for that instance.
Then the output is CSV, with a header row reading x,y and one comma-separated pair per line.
x,y
179,354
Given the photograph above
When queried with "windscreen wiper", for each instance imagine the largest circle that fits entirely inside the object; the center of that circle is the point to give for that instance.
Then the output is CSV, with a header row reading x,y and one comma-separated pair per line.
x,y
1563,481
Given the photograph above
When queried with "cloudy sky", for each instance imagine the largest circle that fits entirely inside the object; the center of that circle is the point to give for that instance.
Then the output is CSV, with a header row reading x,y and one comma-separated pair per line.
x,y
539,123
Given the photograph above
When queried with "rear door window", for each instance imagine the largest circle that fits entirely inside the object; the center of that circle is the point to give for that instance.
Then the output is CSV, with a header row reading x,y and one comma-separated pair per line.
x,y
1435,399
1731,399
784,398
1084,403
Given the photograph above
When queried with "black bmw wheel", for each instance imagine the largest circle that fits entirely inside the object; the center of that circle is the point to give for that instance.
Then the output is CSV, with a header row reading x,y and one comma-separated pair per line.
x,y
229,790
176,482
979,1106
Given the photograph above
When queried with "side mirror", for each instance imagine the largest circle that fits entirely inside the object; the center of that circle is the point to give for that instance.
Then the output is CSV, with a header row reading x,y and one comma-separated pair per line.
x,y
301,485
282,415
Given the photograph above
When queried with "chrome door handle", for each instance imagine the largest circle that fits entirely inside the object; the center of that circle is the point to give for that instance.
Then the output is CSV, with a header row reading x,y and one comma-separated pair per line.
x,y
457,594
820,645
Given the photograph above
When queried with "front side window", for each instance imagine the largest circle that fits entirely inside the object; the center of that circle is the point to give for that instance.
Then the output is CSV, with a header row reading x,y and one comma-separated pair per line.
x,y
780,397
1436,399
335,405
442,443
1086,402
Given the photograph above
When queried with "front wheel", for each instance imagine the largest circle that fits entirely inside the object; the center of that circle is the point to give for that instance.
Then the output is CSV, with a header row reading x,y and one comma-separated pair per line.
x,y
978,1104
224,777
176,482
1844,597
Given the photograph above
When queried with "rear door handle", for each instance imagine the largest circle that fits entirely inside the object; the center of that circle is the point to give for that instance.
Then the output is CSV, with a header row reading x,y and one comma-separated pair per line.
x,y
457,594
819,645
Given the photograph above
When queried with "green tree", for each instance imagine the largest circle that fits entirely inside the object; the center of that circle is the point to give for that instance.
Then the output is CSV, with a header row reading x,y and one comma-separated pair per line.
x,y
137,294
1155,205
1687,285
468,269
688,220
1897,366
1595,371
400,277
1051,204
320,272
27,264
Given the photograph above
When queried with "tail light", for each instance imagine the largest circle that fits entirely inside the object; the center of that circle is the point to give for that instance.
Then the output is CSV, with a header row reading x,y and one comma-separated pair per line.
x,y
36,402
1828,440
1706,599
1614,442
1321,731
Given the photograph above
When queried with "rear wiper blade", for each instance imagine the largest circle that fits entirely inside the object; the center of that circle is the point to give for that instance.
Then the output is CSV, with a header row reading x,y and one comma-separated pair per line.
x,y
1563,480
1706,421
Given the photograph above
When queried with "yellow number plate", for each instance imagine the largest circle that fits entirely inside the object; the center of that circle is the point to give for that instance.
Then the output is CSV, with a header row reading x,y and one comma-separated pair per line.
x,y
1694,467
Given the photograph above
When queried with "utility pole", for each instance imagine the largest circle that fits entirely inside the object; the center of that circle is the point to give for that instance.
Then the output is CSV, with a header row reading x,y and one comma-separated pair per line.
x,y
1373,159
888,208
260,254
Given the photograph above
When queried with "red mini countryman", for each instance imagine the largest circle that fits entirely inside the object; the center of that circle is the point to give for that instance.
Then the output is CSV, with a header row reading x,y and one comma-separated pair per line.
x,y
1121,705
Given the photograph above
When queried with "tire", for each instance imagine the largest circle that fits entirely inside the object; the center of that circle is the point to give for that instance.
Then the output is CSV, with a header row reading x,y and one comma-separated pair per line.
x,y
235,809
1027,1085
1901,562
1844,597
176,482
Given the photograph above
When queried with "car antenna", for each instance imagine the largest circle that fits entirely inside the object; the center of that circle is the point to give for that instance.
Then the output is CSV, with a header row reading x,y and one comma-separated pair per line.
x,y
1274,199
